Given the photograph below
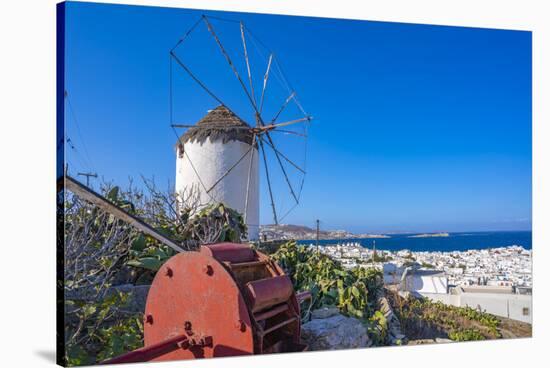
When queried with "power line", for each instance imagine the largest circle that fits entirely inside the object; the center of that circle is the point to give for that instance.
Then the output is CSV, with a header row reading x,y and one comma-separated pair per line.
x,y
86,155
82,163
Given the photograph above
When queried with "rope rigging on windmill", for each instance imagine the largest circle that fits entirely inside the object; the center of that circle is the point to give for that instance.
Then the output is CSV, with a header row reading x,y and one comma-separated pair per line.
x,y
222,154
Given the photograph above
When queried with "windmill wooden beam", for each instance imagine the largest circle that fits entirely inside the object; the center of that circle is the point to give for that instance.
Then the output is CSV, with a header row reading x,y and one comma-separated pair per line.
x,y
286,123
103,203
257,130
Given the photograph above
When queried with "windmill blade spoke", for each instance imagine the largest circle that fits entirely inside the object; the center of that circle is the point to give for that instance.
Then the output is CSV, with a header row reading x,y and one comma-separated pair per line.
x,y
180,41
283,106
197,80
289,211
286,123
226,55
283,156
281,76
271,127
230,169
248,179
289,132
300,106
269,183
266,77
282,168
248,67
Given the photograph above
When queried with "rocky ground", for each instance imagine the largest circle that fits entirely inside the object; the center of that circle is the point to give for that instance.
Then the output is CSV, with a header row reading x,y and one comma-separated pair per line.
x,y
330,330
510,329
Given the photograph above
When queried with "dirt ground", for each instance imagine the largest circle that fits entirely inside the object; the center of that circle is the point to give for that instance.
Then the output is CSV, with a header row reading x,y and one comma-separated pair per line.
x,y
436,324
511,329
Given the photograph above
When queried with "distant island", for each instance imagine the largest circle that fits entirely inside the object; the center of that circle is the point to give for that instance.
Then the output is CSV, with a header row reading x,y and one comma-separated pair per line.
x,y
430,235
300,232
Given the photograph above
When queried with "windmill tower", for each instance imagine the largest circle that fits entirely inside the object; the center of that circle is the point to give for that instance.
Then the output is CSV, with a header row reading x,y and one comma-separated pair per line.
x,y
220,158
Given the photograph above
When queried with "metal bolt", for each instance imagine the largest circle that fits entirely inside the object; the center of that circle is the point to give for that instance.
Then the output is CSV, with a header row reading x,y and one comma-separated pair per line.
x,y
149,319
209,270
187,326
169,272
240,325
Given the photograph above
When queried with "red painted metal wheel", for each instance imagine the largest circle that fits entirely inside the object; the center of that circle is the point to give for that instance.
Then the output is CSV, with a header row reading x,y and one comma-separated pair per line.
x,y
193,295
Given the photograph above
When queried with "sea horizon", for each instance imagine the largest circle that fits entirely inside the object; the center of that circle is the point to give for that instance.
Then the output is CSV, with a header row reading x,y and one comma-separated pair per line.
x,y
455,241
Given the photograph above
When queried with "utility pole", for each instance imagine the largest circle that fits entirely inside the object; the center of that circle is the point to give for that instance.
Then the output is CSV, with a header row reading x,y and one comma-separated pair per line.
x,y
373,251
317,242
88,175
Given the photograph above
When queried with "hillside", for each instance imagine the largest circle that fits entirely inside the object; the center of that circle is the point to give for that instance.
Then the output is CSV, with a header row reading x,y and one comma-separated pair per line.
x,y
300,232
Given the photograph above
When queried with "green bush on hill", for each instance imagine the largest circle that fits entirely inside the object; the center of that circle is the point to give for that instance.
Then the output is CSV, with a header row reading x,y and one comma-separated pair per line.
x,y
353,291
459,323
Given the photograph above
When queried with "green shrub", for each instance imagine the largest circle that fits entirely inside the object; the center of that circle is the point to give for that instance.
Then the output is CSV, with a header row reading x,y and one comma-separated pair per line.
x,y
467,334
460,323
378,328
101,331
352,291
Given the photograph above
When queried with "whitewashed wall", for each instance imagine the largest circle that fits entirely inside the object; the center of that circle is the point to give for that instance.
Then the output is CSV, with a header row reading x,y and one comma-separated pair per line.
x,y
436,284
211,160
513,306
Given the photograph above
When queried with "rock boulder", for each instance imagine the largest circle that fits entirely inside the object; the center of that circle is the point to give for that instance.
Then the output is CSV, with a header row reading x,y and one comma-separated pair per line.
x,y
331,331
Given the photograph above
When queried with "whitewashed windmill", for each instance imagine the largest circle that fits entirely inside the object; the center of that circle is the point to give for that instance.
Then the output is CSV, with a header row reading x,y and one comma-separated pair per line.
x,y
220,154
220,158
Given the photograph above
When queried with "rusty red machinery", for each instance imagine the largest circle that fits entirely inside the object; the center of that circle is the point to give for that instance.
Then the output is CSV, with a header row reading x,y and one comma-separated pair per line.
x,y
225,300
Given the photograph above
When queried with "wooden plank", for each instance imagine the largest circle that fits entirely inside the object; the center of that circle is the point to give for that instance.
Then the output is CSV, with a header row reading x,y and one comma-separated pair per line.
x,y
89,195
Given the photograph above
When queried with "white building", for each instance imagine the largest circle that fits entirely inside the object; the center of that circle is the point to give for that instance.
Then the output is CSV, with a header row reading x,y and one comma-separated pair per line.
x,y
217,159
415,280
426,281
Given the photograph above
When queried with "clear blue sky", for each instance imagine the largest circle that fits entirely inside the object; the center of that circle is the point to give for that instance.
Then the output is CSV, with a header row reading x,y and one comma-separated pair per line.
x,y
417,128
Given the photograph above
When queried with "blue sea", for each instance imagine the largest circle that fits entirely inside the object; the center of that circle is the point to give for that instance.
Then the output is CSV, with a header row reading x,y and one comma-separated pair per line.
x,y
455,241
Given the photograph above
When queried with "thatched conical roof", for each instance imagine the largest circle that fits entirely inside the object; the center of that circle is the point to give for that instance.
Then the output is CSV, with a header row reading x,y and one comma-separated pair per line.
x,y
219,124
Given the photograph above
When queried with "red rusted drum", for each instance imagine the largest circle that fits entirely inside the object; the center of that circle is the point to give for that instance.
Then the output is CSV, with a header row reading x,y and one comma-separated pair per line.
x,y
193,294
229,252
265,293
225,300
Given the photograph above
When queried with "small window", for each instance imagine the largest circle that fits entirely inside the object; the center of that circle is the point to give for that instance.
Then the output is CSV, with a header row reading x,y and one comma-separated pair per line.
x,y
525,311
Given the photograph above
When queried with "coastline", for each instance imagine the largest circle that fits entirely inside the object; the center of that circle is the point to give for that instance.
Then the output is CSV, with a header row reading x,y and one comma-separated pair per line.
x,y
459,241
